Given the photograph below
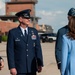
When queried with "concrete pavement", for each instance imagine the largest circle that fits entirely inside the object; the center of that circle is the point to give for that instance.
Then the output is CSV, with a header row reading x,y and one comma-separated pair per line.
x,y
50,67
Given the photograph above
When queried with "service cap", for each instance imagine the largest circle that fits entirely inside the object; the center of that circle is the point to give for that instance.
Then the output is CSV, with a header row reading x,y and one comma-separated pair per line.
x,y
24,13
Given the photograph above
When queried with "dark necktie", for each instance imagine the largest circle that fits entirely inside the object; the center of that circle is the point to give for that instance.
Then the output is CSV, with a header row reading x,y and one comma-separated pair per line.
x,y
26,36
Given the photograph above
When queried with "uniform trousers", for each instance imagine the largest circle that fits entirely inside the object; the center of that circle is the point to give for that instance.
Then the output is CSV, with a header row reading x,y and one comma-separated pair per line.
x,y
27,73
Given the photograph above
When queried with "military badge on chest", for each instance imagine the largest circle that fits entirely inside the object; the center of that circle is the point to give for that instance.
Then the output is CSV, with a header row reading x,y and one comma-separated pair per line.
x,y
33,37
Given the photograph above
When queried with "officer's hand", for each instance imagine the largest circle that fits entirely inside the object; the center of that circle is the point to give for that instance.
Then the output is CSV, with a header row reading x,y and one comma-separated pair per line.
x,y
13,71
39,68
1,64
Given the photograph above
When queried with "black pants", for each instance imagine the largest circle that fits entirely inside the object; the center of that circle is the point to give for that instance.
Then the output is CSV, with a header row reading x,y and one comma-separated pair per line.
x,y
26,74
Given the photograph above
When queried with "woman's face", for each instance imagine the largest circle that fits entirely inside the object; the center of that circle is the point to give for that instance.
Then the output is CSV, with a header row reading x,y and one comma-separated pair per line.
x,y
69,17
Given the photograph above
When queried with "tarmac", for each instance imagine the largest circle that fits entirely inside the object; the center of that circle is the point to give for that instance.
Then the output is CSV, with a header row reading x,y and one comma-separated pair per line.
x,y
50,67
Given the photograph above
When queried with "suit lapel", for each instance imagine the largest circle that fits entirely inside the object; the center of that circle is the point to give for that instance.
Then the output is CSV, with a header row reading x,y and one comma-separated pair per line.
x,y
29,34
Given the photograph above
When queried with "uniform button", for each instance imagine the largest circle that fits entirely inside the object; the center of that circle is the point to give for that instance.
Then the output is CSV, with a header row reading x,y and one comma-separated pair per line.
x,y
27,44
27,55
27,50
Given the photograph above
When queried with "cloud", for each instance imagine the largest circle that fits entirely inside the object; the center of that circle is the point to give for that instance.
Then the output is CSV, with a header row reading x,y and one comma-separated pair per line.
x,y
44,13
59,12
5,0
2,8
49,16
53,12
53,18
1,4
49,13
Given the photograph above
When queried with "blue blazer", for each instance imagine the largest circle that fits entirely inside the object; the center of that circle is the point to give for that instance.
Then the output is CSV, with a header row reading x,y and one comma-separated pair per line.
x,y
22,55
58,44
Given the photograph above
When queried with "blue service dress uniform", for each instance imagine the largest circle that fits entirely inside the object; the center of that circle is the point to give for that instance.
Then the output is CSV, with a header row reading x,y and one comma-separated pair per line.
x,y
24,55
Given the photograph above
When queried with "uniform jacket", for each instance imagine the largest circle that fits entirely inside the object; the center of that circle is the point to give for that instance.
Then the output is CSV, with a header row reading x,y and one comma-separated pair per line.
x,y
68,56
22,55
58,44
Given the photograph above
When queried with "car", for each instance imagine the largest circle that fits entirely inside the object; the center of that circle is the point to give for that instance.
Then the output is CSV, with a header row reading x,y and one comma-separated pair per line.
x,y
48,37
40,35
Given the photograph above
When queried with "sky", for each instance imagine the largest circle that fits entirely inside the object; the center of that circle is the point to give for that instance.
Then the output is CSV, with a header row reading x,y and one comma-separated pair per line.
x,y
51,12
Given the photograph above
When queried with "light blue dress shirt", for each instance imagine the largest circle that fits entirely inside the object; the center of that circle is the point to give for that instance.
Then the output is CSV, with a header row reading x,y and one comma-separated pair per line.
x,y
23,30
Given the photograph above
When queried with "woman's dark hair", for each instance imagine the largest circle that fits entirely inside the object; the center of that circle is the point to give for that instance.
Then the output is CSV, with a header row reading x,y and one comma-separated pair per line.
x,y
71,25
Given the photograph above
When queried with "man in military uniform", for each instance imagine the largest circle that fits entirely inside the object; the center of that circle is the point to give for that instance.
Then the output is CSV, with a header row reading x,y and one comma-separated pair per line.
x,y
24,52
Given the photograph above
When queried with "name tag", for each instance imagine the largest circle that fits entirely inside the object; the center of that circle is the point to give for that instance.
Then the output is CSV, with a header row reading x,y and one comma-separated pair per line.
x,y
17,39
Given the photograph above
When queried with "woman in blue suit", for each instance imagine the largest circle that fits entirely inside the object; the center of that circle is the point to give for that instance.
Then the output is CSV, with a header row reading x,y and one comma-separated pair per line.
x,y
68,49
